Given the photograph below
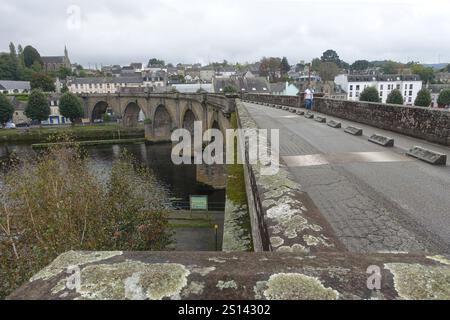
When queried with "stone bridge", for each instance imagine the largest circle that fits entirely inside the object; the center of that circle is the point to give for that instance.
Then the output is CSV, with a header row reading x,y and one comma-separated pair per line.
x,y
163,112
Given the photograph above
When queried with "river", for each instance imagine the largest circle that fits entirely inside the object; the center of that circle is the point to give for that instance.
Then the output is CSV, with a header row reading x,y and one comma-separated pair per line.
x,y
181,181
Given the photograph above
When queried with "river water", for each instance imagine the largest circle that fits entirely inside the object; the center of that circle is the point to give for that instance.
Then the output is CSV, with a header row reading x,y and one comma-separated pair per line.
x,y
181,181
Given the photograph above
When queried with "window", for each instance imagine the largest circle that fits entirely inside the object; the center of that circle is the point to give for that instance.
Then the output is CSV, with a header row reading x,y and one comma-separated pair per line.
x,y
398,87
351,87
381,93
357,88
410,86
357,94
406,86
410,93
351,95
381,87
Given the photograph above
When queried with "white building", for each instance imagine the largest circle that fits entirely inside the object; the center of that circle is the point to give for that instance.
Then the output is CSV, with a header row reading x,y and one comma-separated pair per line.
x,y
104,85
353,85
11,87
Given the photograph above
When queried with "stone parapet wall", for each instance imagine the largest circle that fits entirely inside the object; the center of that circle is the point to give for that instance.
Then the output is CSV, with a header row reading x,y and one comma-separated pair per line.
x,y
239,276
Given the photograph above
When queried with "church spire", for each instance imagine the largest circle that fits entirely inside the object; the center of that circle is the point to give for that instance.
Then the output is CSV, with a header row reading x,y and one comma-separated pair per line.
x,y
66,53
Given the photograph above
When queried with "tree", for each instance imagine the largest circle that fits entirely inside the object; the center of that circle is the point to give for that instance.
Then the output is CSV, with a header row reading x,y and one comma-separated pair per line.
x,y
423,98
395,97
285,67
391,67
37,108
64,72
229,89
328,71
425,73
444,98
370,94
360,65
42,81
315,64
71,107
30,56
156,63
330,56
6,109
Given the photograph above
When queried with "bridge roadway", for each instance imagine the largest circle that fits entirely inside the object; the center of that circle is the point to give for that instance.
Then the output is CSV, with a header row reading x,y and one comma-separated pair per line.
x,y
376,199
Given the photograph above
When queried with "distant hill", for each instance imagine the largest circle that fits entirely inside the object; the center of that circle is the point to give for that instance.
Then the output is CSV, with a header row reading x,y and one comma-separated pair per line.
x,y
436,66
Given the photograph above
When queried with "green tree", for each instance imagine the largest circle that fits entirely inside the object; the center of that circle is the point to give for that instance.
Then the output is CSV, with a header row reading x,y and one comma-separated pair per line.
x,y
315,64
156,63
444,98
425,73
31,56
328,71
370,94
391,67
395,97
229,89
71,107
360,65
64,72
285,67
330,56
37,108
6,109
423,98
42,81
64,88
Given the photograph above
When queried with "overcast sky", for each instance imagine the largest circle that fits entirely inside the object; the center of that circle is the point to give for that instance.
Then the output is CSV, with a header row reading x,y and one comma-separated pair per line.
x,y
123,31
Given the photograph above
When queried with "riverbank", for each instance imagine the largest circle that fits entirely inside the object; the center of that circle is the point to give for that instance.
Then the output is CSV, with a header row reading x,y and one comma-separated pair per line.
x,y
78,132
89,143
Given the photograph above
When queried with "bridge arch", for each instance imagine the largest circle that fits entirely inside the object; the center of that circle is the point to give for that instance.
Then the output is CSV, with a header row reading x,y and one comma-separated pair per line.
x,y
188,121
131,114
162,123
99,110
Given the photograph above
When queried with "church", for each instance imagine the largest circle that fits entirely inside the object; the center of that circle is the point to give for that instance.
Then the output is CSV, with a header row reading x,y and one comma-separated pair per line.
x,y
54,63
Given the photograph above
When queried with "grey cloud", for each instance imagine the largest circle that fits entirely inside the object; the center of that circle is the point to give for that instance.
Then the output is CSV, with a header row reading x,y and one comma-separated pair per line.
x,y
245,30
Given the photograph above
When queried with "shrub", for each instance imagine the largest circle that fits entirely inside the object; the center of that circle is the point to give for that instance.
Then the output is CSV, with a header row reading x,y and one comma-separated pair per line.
x,y
395,97
37,108
71,107
444,98
6,109
370,94
55,204
423,98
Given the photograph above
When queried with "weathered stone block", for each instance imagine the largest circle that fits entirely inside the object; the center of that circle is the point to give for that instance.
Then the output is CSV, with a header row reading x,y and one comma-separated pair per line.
x,y
292,110
320,119
354,131
382,140
300,112
309,115
429,156
334,124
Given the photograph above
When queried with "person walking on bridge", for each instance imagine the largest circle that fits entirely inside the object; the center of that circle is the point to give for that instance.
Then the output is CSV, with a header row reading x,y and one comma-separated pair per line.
x,y
308,98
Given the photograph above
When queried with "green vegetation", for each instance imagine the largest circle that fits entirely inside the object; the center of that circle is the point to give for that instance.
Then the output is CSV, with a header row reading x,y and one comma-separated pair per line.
x,y
78,132
229,89
395,97
423,98
6,110
236,194
71,107
42,82
88,143
425,73
444,98
370,94
37,108
54,204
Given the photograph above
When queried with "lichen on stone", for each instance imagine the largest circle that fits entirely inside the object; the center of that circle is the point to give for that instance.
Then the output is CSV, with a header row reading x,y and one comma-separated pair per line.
x,y
132,280
440,259
194,288
420,282
226,285
297,286
276,241
72,258
203,271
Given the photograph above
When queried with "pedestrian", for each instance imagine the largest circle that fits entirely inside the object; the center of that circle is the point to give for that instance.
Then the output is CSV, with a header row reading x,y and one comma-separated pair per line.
x,y
308,98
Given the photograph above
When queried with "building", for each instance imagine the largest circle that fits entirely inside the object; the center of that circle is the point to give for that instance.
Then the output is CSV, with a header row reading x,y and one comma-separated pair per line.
x,y
12,87
55,63
284,89
55,117
19,116
249,85
194,87
155,79
353,85
104,85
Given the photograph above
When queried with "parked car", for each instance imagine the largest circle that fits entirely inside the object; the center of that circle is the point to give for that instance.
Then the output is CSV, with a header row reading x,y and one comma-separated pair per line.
x,y
10,125
22,125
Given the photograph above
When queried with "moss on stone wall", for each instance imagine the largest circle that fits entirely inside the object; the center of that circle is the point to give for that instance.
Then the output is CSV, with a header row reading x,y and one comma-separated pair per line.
x,y
237,227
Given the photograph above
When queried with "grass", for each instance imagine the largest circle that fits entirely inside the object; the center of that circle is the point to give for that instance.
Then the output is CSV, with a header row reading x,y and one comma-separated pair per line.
x,y
79,132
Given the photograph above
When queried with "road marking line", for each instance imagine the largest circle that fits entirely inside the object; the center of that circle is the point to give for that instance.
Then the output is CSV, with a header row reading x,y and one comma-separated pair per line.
x,y
341,158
